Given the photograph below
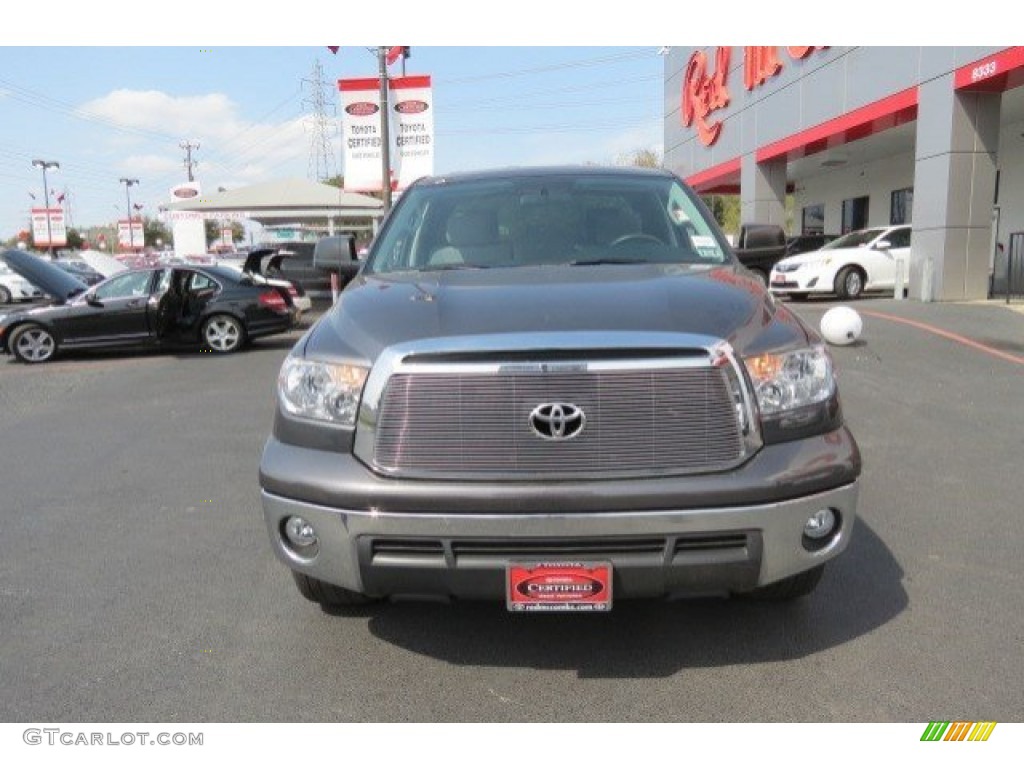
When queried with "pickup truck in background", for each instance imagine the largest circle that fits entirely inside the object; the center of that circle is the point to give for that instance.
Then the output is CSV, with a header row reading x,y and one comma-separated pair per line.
x,y
337,253
759,247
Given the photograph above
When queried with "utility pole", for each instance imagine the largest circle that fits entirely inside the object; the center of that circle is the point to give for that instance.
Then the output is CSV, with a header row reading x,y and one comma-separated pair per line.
x,y
385,149
189,162
44,164
67,207
127,194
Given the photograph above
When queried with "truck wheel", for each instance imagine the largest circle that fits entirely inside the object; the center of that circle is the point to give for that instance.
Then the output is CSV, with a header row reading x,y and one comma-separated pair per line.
x,y
849,283
798,585
326,594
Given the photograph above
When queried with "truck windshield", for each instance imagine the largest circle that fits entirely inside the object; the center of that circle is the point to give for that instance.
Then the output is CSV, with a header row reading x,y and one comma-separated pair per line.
x,y
566,219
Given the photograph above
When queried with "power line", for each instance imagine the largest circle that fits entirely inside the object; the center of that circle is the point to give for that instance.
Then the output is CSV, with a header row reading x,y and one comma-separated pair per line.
x,y
548,68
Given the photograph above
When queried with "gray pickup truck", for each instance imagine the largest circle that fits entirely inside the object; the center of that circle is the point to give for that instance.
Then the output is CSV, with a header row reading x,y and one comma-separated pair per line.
x,y
556,387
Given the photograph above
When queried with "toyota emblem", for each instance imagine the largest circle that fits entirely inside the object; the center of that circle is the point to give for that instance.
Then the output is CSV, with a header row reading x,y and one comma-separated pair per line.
x,y
557,421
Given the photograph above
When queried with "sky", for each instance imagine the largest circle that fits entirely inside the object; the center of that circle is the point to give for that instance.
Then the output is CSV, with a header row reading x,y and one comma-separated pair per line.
x,y
109,93
105,113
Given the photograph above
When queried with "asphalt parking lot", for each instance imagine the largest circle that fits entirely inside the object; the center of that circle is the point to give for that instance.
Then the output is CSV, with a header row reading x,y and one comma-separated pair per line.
x,y
137,583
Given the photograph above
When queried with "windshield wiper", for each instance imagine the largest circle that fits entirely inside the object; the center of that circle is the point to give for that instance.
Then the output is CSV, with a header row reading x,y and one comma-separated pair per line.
x,y
598,262
450,267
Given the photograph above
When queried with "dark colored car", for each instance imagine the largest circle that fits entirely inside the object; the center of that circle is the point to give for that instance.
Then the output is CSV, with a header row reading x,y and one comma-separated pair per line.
x,y
78,269
210,306
806,243
549,386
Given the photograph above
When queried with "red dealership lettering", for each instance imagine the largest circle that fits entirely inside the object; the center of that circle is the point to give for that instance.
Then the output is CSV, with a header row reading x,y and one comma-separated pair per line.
x,y
704,93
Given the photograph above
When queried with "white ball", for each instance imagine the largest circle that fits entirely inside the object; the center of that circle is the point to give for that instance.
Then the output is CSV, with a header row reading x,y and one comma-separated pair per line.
x,y
841,326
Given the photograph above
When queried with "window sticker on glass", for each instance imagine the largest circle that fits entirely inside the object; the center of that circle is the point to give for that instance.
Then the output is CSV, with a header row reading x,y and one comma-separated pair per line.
x,y
706,246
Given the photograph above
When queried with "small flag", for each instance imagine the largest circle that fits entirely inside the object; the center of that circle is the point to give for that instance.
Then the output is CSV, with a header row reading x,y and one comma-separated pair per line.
x,y
60,197
395,52
333,48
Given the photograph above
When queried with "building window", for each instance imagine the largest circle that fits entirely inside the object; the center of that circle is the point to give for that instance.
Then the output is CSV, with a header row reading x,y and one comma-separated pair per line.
x,y
902,206
813,220
855,214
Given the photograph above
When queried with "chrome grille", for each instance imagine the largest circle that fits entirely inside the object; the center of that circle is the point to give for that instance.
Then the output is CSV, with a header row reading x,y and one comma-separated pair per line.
x,y
473,424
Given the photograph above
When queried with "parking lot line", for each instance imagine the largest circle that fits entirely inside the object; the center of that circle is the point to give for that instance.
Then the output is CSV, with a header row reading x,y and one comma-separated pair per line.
x,y
947,335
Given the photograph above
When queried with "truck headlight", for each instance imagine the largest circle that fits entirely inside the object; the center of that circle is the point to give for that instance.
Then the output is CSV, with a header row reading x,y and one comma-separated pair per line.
x,y
322,391
791,380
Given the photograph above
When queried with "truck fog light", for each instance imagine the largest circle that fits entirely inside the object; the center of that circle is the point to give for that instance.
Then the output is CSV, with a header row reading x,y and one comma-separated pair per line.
x,y
819,525
300,533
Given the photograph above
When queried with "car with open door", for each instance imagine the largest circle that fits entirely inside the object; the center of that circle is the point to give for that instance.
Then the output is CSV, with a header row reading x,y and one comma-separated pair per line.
x,y
212,307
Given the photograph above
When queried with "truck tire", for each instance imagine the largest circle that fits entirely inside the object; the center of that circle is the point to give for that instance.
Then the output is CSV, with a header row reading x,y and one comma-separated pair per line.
x,y
796,586
849,283
326,594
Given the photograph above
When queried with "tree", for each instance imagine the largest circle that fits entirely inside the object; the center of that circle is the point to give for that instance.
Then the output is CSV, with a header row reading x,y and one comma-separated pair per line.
x,y
74,239
214,227
726,210
642,158
153,230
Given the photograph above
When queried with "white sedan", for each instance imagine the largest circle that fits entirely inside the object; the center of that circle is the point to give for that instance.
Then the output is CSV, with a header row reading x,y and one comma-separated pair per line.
x,y
866,260
13,287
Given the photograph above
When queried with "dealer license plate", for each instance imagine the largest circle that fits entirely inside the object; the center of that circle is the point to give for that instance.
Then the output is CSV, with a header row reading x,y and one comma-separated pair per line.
x,y
565,586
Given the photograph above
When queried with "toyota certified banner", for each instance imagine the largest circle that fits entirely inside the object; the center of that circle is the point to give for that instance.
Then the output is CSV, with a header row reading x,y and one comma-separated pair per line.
x,y
361,131
413,127
54,235
130,233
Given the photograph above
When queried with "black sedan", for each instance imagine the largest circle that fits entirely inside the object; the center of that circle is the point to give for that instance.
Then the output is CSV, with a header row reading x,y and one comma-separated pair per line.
x,y
212,307
81,270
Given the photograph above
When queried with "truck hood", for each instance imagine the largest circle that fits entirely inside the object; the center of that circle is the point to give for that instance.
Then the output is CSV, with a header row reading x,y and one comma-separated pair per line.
x,y
378,311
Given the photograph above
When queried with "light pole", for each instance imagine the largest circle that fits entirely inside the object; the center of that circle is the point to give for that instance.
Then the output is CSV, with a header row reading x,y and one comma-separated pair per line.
x,y
127,194
385,154
44,164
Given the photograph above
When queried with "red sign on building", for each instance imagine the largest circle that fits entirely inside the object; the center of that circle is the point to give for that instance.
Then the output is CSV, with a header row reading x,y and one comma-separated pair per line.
x,y
703,93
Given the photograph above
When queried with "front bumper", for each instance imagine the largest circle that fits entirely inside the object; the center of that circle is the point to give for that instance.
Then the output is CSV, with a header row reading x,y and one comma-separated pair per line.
x,y
427,541
801,281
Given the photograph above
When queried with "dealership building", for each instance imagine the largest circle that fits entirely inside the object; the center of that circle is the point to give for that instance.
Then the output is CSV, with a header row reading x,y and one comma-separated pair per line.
x,y
862,137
